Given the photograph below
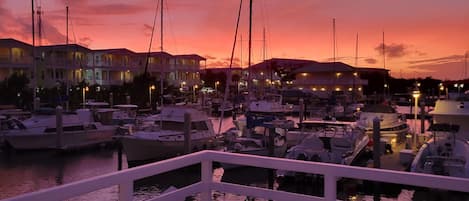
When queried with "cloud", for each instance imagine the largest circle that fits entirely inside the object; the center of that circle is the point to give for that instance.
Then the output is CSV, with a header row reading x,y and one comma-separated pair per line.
x,y
393,50
371,61
218,64
87,7
85,41
147,29
210,57
441,60
441,70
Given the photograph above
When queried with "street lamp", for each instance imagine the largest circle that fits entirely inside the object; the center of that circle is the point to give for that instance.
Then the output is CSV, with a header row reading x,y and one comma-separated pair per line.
x,y
416,95
84,90
216,86
151,88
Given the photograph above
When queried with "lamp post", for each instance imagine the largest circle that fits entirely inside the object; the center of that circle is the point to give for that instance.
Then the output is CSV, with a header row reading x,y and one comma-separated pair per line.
x,y
216,85
194,88
150,88
84,90
416,95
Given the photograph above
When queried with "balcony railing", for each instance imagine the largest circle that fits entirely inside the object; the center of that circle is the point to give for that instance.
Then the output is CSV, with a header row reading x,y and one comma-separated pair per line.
x,y
332,172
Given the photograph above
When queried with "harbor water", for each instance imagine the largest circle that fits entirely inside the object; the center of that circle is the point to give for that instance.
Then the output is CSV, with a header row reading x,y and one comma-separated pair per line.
x,y
23,172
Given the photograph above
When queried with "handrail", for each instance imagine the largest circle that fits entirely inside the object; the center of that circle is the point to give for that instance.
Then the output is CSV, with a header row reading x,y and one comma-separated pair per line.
x,y
331,172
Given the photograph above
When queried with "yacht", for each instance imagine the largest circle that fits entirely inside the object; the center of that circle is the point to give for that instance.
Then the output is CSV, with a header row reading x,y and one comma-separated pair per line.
x,y
392,124
40,132
164,138
447,151
327,141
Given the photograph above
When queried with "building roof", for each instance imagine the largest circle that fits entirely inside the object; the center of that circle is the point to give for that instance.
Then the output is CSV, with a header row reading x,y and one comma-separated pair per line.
x,y
64,47
190,56
364,69
281,62
325,67
156,54
10,42
117,51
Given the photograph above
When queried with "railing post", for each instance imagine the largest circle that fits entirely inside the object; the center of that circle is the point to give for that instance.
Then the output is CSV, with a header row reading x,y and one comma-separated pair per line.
x,y
207,177
330,187
126,191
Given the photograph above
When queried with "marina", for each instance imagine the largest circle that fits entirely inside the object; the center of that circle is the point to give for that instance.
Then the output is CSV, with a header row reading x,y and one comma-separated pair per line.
x,y
99,102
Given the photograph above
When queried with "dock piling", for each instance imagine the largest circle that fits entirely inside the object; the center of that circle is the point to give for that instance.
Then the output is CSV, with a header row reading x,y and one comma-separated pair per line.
x,y
187,133
59,126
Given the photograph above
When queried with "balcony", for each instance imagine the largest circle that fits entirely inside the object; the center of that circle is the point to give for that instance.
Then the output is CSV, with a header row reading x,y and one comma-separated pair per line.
x,y
332,172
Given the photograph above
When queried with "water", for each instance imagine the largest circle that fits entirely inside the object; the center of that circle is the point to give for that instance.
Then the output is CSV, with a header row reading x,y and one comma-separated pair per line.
x,y
24,172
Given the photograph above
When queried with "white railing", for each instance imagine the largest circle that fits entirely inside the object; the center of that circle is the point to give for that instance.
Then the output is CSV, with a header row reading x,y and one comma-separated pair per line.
x,y
332,172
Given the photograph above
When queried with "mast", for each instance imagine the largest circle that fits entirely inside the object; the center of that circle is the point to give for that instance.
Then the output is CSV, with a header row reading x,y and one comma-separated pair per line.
x,y
161,60
229,77
34,57
465,66
384,66
333,39
66,62
356,52
249,49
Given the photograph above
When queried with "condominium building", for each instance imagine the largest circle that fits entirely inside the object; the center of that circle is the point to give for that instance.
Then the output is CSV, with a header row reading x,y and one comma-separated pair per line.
x,y
71,64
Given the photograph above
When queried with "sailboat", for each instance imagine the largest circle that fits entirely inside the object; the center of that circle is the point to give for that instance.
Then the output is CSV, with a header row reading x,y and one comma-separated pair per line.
x,y
165,136
262,115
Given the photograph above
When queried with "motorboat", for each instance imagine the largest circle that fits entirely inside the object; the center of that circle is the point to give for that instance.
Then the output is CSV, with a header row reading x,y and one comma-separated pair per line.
x,y
255,144
447,151
392,124
444,154
329,142
270,104
40,132
165,137
320,127
454,112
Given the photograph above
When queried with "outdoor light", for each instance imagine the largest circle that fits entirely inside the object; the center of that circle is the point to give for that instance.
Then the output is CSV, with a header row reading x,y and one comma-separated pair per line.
x,y
350,89
304,74
314,89
338,74
337,89
150,88
416,95
355,74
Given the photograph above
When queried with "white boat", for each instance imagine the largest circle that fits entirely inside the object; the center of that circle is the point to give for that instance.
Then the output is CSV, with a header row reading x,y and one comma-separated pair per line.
x,y
447,152
454,112
256,144
40,132
155,142
444,154
392,124
270,104
321,128
329,142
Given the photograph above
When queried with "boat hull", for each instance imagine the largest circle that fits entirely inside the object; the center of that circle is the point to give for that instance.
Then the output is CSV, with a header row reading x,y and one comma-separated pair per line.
x,y
139,150
70,140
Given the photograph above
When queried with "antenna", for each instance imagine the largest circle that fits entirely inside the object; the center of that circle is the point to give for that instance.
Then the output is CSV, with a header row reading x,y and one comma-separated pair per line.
x,y
356,51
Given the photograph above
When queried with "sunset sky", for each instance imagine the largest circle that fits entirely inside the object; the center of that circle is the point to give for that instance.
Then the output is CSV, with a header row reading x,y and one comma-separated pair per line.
x,y
422,37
